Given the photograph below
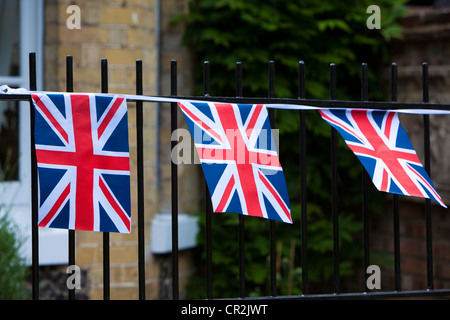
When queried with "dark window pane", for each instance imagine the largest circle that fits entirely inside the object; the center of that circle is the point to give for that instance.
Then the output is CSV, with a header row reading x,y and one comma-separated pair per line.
x,y
9,37
9,140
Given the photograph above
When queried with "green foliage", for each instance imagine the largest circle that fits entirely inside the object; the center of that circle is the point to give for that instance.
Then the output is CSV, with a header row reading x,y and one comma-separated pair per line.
x,y
13,270
317,32
225,273
254,32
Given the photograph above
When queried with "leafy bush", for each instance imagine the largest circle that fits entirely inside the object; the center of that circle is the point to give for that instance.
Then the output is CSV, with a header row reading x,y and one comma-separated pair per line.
x,y
13,271
254,32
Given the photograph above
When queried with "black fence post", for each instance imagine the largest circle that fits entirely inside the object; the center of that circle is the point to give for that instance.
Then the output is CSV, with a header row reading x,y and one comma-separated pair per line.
x,y
365,186
303,188
428,224
396,218
140,180
241,235
208,204
272,233
334,189
69,88
174,175
34,188
106,253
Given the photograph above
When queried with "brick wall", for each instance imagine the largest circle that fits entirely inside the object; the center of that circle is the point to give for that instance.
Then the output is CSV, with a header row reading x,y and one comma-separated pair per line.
x,y
426,39
413,262
123,31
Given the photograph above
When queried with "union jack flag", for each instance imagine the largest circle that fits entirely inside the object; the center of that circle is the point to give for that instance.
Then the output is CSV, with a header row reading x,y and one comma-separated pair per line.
x,y
83,162
239,159
383,147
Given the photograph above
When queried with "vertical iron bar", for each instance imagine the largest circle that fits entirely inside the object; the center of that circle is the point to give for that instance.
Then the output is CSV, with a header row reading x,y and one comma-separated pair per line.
x,y
365,179
426,123
208,209
395,197
174,178
334,189
239,90
106,253
273,274
303,190
140,180
206,78
240,217
34,188
69,88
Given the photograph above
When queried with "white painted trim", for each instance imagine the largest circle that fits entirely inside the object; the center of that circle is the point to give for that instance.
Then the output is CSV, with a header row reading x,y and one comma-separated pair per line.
x,y
53,247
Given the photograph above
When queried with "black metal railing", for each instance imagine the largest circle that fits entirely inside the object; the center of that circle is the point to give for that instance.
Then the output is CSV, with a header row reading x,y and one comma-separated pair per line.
x,y
331,103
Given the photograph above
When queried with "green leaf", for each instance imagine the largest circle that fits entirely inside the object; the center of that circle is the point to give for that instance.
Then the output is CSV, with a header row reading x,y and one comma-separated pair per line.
x,y
333,24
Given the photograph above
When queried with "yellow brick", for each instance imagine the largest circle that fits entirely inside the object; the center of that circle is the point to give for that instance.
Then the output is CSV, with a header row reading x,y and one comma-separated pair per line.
x,y
86,74
141,37
91,56
118,36
152,290
87,34
116,274
150,80
96,276
124,293
117,239
123,254
142,3
130,274
122,89
69,50
116,75
122,56
85,256
96,294
130,76
128,16
89,15
88,238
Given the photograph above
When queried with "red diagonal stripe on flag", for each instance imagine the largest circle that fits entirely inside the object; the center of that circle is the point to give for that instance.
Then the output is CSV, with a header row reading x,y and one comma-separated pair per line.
x,y
50,117
109,115
55,207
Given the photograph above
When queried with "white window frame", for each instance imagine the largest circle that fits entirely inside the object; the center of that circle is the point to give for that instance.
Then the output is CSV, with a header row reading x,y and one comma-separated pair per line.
x,y
16,195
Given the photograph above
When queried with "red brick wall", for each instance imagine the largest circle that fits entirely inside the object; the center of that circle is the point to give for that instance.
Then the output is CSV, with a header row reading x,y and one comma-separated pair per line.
x,y
413,252
426,39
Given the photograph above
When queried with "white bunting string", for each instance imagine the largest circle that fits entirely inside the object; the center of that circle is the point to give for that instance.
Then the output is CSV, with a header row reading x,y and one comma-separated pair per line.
x,y
4,89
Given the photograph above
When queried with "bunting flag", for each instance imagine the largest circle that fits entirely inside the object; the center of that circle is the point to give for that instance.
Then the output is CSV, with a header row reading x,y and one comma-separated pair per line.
x,y
83,162
239,159
234,143
383,147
